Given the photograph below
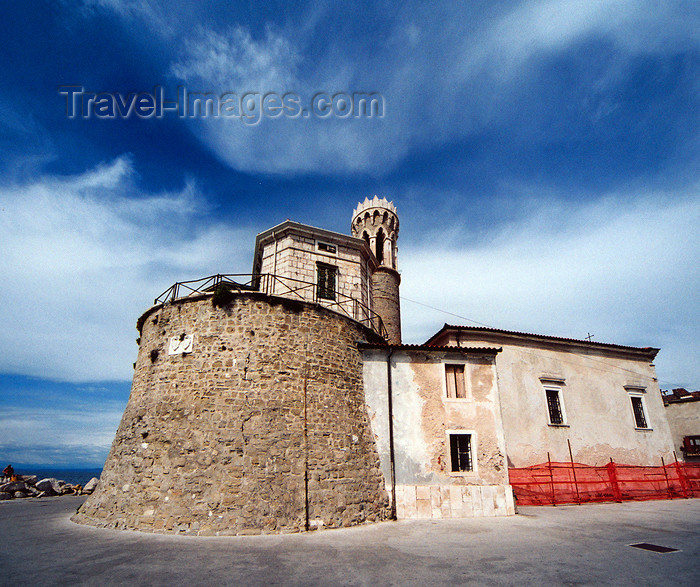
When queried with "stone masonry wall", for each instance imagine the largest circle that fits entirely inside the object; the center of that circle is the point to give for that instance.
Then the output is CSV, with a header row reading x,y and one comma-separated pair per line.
x,y
295,256
385,290
212,442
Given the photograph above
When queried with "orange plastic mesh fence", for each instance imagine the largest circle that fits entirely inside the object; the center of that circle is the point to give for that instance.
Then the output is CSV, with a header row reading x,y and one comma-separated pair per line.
x,y
557,482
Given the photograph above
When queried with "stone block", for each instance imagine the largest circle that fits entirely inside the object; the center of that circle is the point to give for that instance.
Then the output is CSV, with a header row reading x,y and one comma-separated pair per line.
x,y
477,505
422,491
488,497
423,509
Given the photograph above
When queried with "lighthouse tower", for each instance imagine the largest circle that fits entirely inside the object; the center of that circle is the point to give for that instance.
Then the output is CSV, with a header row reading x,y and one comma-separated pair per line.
x,y
377,222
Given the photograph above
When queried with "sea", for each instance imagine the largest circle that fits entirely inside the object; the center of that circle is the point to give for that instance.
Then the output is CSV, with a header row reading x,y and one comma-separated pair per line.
x,y
72,476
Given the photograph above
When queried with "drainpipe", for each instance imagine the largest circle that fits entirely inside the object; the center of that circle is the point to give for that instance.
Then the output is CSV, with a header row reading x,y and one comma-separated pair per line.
x,y
392,465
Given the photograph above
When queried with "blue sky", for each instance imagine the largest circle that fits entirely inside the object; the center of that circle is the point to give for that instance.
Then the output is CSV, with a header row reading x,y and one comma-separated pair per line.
x,y
544,158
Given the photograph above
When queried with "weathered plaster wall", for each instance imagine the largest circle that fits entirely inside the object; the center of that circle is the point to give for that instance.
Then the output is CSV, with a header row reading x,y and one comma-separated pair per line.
x,y
213,442
684,420
599,417
422,415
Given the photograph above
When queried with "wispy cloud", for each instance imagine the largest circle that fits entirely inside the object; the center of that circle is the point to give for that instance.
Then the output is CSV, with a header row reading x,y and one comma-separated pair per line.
x,y
447,72
83,256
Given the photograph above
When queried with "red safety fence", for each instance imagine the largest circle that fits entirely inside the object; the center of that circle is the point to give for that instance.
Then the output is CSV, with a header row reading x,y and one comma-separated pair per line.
x,y
559,483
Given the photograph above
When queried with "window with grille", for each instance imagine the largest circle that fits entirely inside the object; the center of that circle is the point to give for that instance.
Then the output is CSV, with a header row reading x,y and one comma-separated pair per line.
x,y
640,419
461,453
556,417
326,278
454,376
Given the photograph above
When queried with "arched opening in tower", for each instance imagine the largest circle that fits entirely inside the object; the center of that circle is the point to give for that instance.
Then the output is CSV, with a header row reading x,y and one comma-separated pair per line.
x,y
365,236
379,246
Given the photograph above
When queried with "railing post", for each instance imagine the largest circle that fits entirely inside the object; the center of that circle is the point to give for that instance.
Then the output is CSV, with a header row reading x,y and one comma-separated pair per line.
x,y
668,483
573,470
612,473
551,479
681,476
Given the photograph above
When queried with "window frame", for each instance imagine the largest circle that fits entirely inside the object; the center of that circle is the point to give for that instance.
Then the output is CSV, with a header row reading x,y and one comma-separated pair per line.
x,y
551,385
465,381
320,290
691,445
639,393
473,472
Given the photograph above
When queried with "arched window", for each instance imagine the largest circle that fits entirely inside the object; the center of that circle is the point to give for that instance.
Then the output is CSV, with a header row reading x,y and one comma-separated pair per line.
x,y
379,247
365,236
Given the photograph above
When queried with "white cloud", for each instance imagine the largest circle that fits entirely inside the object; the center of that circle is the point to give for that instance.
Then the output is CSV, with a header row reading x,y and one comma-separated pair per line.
x,y
235,62
623,269
83,256
78,436
161,21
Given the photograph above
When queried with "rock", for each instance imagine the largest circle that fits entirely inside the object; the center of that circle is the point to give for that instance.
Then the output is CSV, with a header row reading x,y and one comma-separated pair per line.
x,y
49,485
13,486
28,479
33,491
90,485
4,496
19,494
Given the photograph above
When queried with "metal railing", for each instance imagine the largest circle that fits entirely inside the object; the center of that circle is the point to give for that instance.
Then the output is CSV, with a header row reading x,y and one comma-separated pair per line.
x,y
277,285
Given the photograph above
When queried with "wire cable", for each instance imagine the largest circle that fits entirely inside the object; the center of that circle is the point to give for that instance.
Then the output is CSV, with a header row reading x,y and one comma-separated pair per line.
x,y
532,352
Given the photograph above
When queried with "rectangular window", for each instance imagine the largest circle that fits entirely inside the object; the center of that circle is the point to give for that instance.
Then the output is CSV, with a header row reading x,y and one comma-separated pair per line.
x,y
554,407
691,446
461,452
640,420
326,278
327,248
454,376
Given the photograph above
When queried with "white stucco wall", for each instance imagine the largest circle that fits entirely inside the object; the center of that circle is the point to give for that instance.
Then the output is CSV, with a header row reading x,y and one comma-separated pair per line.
x,y
684,420
596,385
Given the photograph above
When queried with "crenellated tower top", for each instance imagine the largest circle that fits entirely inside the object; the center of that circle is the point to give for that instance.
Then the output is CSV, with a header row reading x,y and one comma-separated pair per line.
x,y
375,202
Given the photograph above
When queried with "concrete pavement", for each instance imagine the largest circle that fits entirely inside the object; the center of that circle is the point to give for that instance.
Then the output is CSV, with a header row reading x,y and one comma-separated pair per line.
x,y
566,545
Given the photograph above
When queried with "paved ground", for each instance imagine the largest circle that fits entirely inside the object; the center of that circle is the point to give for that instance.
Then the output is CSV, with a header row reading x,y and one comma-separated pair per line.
x,y
566,545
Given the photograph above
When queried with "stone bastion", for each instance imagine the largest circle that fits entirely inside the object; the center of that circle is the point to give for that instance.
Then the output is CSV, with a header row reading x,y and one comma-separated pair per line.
x,y
258,426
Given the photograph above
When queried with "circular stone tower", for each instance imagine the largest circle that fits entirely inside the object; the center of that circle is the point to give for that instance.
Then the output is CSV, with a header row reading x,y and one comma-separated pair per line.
x,y
377,222
246,416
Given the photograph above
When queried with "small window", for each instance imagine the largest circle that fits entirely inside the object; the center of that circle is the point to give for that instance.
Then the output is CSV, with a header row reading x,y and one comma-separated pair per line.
x,y
556,416
326,278
327,248
454,376
379,246
640,420
691,446
461,453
